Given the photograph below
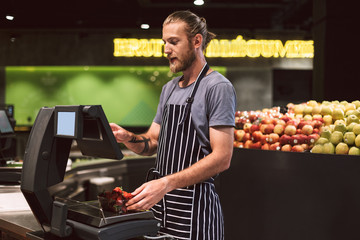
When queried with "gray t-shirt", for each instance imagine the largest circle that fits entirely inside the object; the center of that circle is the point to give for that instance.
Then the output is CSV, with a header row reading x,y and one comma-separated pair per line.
x,y
214,104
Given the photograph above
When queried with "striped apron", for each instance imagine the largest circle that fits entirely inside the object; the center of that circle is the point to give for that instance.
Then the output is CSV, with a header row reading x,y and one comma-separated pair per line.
x,y
193,212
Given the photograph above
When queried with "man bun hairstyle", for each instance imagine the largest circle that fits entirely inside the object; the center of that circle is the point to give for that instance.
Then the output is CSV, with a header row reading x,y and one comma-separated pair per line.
x,y
195,25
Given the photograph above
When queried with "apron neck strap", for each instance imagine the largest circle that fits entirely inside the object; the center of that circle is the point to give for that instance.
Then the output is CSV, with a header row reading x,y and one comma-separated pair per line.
x,y
190,99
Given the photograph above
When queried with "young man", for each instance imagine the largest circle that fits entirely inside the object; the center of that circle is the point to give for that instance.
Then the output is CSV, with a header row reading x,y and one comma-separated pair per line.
x,y
192,134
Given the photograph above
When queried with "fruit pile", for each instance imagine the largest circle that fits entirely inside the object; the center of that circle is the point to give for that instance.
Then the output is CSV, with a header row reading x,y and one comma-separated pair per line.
x,y
115,200
342,134
309,126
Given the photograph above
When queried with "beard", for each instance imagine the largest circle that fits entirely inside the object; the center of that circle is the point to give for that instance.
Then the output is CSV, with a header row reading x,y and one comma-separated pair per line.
x,y
181,65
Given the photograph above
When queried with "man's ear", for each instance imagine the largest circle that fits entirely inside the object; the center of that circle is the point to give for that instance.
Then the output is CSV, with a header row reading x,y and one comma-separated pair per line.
x,y
198,38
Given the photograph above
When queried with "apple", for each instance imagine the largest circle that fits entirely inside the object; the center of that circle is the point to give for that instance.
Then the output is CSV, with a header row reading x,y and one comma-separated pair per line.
x,y
294,122
286,148
307,129
275,146
246,137
265,146
256,136
342,148
273,137
312,138
280,122
305,146
247,126
264,138
284,139
238,144
279,129
253,128
255,145
297,148
290,130
248,143
269,128
327,120
239,134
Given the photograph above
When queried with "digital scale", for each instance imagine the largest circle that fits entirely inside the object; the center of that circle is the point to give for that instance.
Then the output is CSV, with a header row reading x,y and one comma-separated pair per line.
x,y
45,160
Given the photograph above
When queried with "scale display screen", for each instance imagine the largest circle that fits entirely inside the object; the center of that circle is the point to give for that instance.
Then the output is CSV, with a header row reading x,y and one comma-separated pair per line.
x,y
5,126
66,124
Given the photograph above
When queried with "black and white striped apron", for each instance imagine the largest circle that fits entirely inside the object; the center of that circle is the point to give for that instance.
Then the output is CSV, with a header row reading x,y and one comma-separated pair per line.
x,y
193,212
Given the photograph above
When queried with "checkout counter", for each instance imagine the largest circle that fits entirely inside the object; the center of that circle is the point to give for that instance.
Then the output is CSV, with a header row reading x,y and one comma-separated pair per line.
x,y
55,203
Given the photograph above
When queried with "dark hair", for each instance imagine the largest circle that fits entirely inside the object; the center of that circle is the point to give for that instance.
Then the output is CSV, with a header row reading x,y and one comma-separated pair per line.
x,y
195,25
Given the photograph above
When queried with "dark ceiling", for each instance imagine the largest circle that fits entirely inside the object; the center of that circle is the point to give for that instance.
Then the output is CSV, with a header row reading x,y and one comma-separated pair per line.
x,y
224,15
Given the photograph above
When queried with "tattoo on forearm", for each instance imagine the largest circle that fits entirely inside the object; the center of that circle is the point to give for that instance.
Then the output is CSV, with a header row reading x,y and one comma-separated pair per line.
x,y
144,140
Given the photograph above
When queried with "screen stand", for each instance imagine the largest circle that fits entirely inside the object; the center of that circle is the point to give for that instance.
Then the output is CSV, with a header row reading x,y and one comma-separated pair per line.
x,y
58,220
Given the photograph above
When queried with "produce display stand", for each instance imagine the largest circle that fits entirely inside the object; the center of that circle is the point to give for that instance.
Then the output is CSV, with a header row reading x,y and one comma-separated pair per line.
x,y
289,195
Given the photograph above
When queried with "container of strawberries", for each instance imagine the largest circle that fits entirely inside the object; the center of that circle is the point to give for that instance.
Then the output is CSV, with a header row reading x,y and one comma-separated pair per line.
x,y
115,200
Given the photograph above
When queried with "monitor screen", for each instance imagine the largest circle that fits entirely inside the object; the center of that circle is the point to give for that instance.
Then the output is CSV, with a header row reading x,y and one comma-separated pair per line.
x,y
66,122
5,126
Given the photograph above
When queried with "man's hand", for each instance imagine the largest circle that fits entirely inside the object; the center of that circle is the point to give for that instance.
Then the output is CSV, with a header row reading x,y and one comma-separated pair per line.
x,y
121,135
148,194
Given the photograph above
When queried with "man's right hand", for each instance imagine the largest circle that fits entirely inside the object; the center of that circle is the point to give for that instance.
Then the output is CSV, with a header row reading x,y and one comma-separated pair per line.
x,y
121,135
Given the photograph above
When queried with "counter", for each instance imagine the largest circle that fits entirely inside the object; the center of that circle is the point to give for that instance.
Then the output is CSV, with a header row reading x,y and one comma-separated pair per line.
x,y
16,217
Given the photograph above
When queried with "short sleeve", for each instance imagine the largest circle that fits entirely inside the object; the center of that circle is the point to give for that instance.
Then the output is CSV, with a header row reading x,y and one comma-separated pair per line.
x,y
222,104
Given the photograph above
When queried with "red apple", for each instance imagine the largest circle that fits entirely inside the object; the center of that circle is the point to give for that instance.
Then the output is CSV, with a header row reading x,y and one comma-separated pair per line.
x,y
253,128
264,138
266,120
294,139
273,137
275,146
269,128
286,148
305,146
256,136
281,122
265,146
307,129
312,138
238,144
256,145
284,139
248,143
297,148
247,127
294,122
246,137
290,130
239,134
279,129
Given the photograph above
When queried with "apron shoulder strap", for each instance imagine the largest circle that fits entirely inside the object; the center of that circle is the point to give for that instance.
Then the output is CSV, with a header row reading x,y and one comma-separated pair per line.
x,y
190,99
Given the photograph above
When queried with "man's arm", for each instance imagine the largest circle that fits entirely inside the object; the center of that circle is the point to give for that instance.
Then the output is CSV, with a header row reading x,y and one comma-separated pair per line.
x,y
143,144
221,140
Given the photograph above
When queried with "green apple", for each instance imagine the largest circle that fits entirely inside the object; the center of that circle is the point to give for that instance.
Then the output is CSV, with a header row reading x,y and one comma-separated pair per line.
x,y
325,132
340,126
352,118
338,113
327,119
356,129
349,138
326,110
356,102
357,141
342,148
322,140
336,137
328,148
354,151
349,128
319,148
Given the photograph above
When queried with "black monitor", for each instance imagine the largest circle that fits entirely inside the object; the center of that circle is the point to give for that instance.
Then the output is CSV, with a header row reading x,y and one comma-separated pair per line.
x,y
48,149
